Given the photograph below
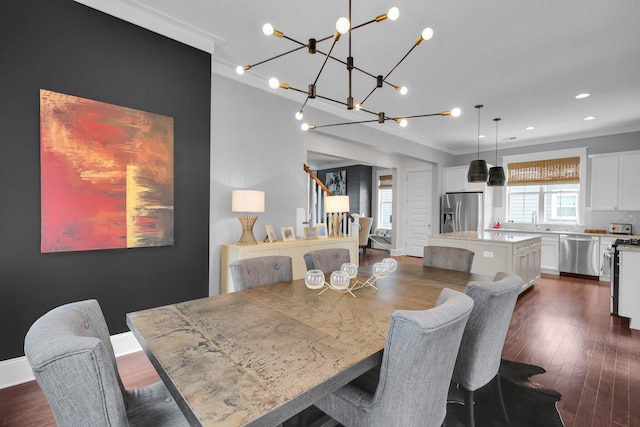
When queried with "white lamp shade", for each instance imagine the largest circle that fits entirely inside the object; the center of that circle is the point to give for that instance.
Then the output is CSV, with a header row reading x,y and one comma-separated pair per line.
x,y
247,201
336,204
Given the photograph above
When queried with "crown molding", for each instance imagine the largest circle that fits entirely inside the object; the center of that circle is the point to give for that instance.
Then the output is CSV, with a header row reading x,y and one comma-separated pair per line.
x,y
158,22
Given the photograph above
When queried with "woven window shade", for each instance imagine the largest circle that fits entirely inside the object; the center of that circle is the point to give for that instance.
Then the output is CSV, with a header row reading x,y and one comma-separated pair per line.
x,y
385,182
543,172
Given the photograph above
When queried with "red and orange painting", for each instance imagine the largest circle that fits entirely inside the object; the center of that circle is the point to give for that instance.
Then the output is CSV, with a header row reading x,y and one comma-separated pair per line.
x,y
106,175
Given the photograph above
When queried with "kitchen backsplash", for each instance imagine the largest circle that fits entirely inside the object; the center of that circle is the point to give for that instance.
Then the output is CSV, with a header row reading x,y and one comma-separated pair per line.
x,y
602,219
595,220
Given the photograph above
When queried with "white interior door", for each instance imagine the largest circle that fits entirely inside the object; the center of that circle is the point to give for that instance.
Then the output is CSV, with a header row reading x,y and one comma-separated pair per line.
x,y
419,212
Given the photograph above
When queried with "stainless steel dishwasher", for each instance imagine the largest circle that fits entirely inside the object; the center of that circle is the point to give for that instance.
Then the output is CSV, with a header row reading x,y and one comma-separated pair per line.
x,y
579,254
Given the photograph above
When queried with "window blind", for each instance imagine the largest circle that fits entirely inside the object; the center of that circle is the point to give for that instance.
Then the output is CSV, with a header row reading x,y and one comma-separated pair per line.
x,y
544,172
385,182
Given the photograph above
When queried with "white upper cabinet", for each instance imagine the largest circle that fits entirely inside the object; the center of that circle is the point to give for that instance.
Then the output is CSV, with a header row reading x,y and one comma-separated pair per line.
x,y
614,181
455,180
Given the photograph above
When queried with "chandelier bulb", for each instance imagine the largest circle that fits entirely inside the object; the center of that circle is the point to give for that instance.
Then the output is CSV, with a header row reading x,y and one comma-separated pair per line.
x,y
267,29
402,89
393,13
358,106
456,112
299,115
274,83
241,69
402,122
343,25
427,34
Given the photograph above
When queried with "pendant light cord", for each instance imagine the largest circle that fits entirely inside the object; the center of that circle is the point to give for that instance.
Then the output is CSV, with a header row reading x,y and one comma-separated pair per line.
x,y
479,107
496,120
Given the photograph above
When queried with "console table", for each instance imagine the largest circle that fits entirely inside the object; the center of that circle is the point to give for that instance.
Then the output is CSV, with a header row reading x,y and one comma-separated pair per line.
x,y
293,248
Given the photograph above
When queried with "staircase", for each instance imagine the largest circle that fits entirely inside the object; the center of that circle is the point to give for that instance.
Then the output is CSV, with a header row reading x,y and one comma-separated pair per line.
x,y
316,195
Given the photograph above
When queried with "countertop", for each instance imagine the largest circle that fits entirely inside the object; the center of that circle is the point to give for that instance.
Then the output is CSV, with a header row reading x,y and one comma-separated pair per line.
x,y
630,248
498,235
558,232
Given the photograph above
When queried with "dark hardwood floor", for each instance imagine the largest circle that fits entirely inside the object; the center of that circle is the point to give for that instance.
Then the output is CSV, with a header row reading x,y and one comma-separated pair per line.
x,y
562,324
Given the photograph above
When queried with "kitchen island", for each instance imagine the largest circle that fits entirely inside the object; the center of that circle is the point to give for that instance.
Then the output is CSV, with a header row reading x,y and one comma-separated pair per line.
x,y
495,251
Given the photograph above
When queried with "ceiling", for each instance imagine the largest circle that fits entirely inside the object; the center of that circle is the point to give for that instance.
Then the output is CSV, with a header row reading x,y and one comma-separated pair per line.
x,y
525,61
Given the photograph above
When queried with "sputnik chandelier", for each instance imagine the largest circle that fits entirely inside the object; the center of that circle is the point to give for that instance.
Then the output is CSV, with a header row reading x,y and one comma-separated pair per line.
x,y
344,26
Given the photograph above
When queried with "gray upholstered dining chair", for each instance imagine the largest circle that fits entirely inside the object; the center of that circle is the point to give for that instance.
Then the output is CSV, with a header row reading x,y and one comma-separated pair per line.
x,y
459,259
327,260
70,352
410,386
478,359
261,271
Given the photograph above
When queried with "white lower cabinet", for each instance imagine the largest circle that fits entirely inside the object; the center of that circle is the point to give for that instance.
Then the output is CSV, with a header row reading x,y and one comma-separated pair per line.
x,y
629,291
550,254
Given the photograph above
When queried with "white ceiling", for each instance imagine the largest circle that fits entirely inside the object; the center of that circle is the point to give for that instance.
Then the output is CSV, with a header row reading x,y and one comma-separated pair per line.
x,y
524,60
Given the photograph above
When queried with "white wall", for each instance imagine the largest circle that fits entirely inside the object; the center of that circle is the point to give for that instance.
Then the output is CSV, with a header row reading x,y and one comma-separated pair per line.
x,y
254,145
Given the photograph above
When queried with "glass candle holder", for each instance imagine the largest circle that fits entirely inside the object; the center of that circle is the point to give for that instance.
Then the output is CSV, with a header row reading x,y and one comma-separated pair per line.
x,y
350,268
314,279
391,263
380,270
340,280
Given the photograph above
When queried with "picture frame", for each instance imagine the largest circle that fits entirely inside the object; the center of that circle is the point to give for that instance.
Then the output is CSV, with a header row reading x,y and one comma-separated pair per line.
x,y
271,233
310,233
322,230
287,233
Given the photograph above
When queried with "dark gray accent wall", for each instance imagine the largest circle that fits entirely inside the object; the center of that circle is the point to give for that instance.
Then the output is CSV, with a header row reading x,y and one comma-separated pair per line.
x,y
66,47
358,187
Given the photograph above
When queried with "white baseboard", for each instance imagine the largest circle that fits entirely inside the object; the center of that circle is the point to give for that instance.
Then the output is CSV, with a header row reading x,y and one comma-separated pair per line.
x,y
17,371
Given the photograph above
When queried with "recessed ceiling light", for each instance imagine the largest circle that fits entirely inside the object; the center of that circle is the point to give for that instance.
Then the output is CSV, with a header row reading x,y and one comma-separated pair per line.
x,y
530,128
481,136
583,95
590,118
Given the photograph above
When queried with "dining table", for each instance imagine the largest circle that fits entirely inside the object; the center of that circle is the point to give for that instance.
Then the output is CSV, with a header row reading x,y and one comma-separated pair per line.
x,y
259,356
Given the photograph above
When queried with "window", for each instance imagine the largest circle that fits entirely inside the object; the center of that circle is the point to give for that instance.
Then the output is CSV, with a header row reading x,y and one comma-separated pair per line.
x,y
543,203
385,201
545,187
385,206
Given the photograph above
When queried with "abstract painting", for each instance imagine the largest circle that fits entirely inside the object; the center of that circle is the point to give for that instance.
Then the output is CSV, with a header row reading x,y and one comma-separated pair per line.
x,y
336,182
106,175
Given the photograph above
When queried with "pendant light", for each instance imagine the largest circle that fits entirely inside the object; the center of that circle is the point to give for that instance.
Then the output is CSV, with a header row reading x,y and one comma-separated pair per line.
x,y
478,168
496,173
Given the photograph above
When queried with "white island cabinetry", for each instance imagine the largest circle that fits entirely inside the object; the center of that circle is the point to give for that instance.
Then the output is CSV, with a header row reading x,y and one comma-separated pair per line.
x,y
495,251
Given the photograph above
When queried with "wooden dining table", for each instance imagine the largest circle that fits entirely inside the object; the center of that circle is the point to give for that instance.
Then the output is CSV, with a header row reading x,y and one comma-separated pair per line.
x,y
259,356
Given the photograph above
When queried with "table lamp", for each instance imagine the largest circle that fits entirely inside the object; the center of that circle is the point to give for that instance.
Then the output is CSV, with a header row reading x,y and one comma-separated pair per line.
x,y
247,201
336,205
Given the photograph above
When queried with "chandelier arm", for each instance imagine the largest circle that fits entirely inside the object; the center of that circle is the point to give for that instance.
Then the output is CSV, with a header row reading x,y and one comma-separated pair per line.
x,y
354,67
399,62
345,123
277,56
326,58
367,97
295,41
416,116
331,99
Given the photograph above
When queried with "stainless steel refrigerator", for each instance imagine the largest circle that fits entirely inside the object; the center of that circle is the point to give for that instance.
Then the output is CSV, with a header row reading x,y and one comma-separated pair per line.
x,y
461,212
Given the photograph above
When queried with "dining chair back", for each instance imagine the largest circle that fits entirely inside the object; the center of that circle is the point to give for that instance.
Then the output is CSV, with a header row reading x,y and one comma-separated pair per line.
x,y
70,353
480,352
459,259
327,260
261,271
411,384
365,230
